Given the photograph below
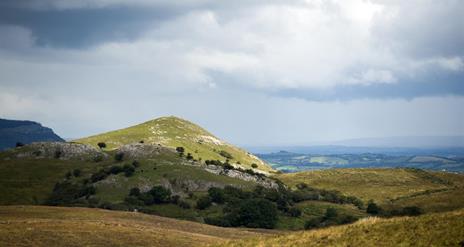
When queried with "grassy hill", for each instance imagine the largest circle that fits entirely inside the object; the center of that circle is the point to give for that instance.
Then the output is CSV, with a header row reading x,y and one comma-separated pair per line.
x,y
175,132
60,226
433,191
439,229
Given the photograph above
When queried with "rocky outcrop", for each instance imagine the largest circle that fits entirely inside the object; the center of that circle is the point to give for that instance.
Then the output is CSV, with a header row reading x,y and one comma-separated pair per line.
x,y
143,151
259,179
59,150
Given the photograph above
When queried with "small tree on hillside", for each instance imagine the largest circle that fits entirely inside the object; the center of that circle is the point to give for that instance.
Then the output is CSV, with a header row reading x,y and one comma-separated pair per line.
x,y
180,150
101,145
19,144
254,165
373,208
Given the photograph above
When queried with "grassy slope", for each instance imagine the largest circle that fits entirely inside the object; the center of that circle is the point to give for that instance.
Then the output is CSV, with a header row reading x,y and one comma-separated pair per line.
x,y
31,181
440,229
58,226
175,132
433,191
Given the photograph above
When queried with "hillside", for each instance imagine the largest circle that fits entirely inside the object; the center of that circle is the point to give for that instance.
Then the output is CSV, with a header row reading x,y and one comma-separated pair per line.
x,y
14,131
176,132
433,191
440,229
60,226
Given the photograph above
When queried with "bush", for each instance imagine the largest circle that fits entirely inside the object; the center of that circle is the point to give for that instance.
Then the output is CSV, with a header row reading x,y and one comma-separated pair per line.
x,y
216,195
184,204
257,213
100,175
373,208
294,212
160,194
189,156
58,154
115,170
19,144
76,172
128,170
228,166
312,223
411,211
101,145
225,154
203,202
119,157
134,192
254,165
180,150
67,193
330,213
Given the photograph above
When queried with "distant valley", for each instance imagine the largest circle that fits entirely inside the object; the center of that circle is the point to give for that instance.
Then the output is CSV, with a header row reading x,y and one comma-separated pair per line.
x,y
294,162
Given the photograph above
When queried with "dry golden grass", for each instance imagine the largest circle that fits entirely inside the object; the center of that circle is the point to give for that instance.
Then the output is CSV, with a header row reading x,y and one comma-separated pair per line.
x,y
440,229
60,226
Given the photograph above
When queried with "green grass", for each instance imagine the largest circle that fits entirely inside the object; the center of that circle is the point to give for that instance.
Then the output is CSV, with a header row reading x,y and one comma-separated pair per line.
x,y
314,209
174,132
31,181
392,188
60,226
440,229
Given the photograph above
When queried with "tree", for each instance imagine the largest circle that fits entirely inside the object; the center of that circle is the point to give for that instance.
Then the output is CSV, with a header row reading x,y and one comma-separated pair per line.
x,y
216,194
203,202
180,150
189,156
257,213
76,172
128,170
412,211
134,192
19,144
330,213
373,208
160,194
119,156
294,212
254,165
312,223
101,145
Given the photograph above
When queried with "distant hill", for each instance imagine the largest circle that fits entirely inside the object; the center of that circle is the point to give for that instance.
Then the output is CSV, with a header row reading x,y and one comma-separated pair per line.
x,y
176,132
13,131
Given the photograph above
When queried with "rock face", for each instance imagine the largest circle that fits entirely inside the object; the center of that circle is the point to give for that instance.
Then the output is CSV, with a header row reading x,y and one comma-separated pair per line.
x,y
59,150
261,180
13,131
143,151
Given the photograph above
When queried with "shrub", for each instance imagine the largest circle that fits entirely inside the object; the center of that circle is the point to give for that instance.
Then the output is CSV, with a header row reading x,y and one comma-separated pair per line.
x,y
119,156
189,156
254,165
66,193
225,154
411,211
135,163
134,192
330,213
175,199
115,169
216,195
76,172
180,150
294,212
203,202
312,223
58,154
101,145
160,194
184,204
100,175
373,208
228,166
19,144
128,170
257,213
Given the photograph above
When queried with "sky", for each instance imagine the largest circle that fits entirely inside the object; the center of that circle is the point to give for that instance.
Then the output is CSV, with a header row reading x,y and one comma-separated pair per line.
x,y
253,72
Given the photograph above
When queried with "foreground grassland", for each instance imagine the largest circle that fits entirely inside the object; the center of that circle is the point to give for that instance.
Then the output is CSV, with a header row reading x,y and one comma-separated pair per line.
x,y
60,226
432,191
439,229
176,132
